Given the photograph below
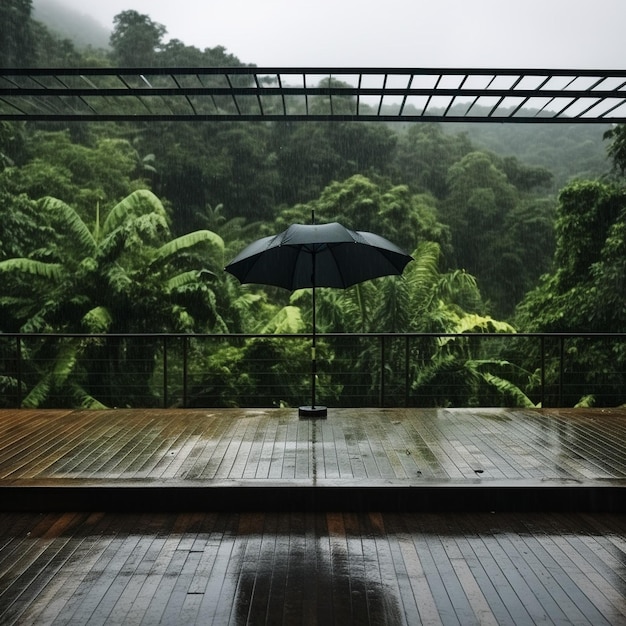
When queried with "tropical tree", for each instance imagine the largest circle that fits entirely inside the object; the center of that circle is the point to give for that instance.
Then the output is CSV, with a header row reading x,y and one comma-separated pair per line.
x,y
458,370
489,219
96,171
425,154
584,293
126,275
361,203
136,39
617,146
17,41
309,156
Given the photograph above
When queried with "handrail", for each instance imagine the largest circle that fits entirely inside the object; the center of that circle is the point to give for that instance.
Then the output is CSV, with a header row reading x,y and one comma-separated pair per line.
x,y
394,378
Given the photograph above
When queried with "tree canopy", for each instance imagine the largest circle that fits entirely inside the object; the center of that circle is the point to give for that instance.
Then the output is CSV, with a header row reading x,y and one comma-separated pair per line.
x,y
117,228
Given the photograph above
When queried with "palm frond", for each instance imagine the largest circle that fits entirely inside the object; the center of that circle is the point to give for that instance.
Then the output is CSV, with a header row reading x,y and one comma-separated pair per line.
x,y
507,389
8,384
287,320
586,402
472,323
97,320
48,271
118,279
185,278
392,311
38,394
111,247
189,241
86,401
65,362
76,227
422,275
57,377
140,202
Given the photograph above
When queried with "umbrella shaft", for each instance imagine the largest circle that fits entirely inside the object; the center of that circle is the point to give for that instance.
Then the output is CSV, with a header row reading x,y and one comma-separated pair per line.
x,y
313,360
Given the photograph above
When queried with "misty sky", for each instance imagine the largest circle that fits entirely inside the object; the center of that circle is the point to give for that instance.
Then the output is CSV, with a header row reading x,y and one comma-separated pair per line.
x,y
403,33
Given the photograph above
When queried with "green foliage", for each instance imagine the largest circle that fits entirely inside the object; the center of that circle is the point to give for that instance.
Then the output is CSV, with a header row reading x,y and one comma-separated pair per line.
x,y
585,292
567,151
448,381
135,279
18,38
311,155
135,39
502,237
586,288
265,372
426,153
361,203
287,320
85,176
36,269
617,147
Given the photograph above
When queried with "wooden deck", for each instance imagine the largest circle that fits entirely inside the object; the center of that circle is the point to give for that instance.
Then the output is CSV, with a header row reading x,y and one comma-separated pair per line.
x,y
312,568
357,459
278,524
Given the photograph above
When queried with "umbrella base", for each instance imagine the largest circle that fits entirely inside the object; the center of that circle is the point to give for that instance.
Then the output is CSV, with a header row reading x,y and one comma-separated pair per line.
x,y
312,411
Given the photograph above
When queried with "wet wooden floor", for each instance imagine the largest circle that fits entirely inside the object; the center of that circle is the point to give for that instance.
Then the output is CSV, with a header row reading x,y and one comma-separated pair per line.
x,y
357,459
339,564
351,445
312,568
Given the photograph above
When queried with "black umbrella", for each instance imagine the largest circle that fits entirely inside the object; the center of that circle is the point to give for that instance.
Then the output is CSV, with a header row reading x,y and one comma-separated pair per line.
x,y
317,255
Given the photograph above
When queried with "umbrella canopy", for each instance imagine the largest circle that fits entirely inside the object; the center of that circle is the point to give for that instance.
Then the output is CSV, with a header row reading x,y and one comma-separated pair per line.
x,y
317,255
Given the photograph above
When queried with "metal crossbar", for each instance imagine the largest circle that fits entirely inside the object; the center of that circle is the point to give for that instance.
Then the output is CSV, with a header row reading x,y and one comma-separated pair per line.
x,y
319,94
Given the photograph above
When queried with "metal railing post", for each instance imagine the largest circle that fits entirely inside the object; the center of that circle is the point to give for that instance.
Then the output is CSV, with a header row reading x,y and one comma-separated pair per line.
x,y
18,355
185,372
165,375
407,370
543,371
561,367
381,400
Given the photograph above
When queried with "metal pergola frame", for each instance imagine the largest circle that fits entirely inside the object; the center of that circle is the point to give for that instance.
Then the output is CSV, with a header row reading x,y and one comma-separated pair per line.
x,y
318,94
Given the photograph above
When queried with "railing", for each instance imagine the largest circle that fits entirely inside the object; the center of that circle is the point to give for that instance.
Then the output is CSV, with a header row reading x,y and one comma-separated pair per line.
x,y
353,369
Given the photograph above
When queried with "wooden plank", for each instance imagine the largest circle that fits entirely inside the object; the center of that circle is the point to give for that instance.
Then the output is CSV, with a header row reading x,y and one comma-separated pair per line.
x,y
299,575
259,582
365,587
555,577
338,569
303,445
150,581
42,442
218,433
251,468
327,461
342,454
66,572
264,462
380,566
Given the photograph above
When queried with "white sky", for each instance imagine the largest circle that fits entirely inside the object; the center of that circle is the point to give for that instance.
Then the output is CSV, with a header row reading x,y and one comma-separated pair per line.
x,y
395,33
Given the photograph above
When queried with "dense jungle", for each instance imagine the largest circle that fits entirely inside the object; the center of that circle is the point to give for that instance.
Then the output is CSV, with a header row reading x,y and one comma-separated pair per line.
x,y
114,236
